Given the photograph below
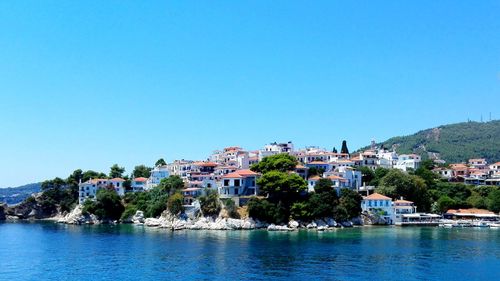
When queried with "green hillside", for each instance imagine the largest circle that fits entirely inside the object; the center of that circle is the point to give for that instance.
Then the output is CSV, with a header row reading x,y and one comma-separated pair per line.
x,y
453,143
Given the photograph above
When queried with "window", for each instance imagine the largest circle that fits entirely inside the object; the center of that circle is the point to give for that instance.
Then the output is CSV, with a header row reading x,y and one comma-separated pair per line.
x,y
226,182
236,182
236,191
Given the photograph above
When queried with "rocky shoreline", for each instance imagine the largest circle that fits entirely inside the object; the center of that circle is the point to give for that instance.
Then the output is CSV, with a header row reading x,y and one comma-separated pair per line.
x,y
174,223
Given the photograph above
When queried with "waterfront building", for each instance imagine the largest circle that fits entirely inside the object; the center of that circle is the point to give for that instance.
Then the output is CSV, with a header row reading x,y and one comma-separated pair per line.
x,y
237,184
379,205
88,189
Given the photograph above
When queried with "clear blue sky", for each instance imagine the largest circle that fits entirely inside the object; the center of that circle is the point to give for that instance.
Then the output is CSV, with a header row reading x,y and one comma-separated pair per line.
x,y
85,84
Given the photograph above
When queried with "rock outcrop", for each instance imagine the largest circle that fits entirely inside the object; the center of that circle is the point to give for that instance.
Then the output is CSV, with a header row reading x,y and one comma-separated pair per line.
x,y
77,217
2,212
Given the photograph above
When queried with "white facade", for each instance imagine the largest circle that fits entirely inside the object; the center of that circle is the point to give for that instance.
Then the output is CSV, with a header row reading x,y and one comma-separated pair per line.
x,y
157,174
408,161
88,189
380,205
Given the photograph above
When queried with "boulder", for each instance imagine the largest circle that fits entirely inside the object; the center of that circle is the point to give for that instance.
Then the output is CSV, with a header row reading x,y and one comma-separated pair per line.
x,y
234,223
152,222
331,222
271,227
138,218
311,225
322,228
248,223
293,224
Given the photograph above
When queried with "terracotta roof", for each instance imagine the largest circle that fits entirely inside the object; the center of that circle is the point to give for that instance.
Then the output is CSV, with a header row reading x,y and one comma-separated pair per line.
x,y
206,164
401,201
300,167
315,178
377,196
191,189
141,179
318,163
117,179
240,174
333,177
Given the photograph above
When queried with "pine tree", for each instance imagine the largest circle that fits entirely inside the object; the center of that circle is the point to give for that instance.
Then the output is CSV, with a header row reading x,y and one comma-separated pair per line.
x,y
334,150
344,148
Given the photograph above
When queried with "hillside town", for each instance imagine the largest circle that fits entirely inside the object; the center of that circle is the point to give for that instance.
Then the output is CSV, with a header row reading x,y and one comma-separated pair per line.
x,y
228,173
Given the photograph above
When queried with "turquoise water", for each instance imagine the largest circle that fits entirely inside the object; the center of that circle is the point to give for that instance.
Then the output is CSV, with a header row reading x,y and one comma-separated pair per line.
x,y
48,251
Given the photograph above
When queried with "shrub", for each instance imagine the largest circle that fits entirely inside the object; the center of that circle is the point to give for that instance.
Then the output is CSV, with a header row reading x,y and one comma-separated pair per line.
x,y
175,203
209,203
129,212
231,208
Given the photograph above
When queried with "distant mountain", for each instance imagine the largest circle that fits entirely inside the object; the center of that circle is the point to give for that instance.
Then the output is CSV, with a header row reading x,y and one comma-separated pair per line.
x,y
15,195
452,143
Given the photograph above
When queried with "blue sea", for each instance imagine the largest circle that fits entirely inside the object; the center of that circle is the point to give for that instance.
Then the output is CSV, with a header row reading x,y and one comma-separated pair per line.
x,y
50,251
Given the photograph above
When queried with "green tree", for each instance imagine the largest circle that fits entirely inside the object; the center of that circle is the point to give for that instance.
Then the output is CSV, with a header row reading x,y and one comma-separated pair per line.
x,y
87,175
445,203
108,205
175,203
397,184
344,148
315,171
350,201
281,186
160,162
367,174
141,171
55,183
231,208
209,203
172,184
334,150
280,162
494,201
116,171
323,185
300,211
156,202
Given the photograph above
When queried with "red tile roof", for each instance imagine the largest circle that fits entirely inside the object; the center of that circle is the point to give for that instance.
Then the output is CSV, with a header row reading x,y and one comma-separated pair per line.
x,y
241,174
377,196
141,179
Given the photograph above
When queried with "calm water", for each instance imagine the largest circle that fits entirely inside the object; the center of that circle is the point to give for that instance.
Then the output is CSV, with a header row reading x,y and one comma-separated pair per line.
x,y
47,251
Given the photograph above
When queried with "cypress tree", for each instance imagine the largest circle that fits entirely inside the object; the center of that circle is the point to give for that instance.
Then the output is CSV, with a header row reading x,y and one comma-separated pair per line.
x,y
344,148
334,150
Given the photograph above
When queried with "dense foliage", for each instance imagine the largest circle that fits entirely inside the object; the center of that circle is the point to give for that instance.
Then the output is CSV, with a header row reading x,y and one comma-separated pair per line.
x,y
209,203
280,162
175,203
141,171
108,205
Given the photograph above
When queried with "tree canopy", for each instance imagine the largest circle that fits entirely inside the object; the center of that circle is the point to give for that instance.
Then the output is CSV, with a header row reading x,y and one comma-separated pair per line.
x,y
116,171
160,162
141,171
280,162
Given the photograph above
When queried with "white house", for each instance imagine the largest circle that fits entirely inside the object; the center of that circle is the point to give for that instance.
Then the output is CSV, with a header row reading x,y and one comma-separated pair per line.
x,y
380,205
88,189
139,184
408,161
402,208
238,183
157,174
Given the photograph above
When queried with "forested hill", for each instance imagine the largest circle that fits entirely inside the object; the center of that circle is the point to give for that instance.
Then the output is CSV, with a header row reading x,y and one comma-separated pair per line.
x,y
453,143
